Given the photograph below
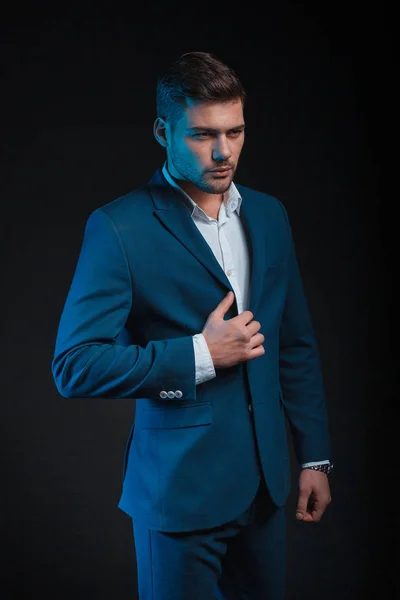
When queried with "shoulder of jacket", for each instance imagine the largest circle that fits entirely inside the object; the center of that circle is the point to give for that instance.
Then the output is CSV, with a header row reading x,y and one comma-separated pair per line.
x,y
120,207
269,201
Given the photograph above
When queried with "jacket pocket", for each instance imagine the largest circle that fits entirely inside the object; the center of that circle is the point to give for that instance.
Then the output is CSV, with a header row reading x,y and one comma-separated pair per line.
x,y
174,417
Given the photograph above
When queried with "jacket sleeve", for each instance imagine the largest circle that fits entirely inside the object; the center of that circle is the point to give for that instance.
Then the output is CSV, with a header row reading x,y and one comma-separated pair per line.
x,y
303,395
88,360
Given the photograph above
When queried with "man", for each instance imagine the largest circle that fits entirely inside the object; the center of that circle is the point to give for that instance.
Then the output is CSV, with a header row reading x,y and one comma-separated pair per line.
x,y
187,297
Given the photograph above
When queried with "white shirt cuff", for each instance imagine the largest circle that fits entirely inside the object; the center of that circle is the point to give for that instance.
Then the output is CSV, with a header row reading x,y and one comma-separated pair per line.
x,y
203,361
312,464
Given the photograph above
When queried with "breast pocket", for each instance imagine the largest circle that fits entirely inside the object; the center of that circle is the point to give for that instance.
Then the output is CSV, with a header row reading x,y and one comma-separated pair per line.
x,y
174,417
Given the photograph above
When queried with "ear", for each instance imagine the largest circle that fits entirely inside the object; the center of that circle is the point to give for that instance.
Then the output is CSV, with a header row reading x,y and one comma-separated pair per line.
x,y
160,131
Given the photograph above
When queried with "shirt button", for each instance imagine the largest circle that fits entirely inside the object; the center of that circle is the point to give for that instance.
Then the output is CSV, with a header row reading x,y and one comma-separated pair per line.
x,y
229,272
250,408
163,394
178,394
171,394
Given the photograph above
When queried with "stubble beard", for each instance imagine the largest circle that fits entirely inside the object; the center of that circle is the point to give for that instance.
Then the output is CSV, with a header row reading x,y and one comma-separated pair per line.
x,y
204,181
216,186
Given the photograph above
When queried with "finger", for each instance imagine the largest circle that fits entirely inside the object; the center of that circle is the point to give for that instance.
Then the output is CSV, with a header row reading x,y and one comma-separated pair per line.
x,y
223,307
302,502
315,511
246,316
308,518
316,515
318,511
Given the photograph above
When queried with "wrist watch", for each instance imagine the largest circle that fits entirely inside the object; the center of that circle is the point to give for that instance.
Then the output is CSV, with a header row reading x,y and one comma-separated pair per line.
x,y
326,468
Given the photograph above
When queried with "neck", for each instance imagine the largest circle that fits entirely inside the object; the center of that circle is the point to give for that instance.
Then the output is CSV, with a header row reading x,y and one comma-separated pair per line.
x,y
202,199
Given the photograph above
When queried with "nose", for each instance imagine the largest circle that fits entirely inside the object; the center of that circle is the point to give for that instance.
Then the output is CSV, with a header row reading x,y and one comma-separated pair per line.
x,y
221,150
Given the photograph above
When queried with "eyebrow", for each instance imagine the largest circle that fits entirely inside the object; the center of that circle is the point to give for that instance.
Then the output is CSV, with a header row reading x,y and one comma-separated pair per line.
x,y
211,130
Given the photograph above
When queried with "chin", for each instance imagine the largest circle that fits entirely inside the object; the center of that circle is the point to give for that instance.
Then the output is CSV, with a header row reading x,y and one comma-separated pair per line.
x,y
223,186
214,187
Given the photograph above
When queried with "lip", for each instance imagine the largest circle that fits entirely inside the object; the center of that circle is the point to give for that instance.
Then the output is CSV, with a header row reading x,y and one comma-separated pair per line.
x,y
225,170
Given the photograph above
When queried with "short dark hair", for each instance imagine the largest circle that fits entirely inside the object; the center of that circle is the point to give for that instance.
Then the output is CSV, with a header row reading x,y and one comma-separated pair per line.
x,y
198,75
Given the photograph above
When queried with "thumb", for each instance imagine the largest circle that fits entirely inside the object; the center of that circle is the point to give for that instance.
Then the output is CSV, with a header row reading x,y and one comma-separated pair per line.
x,y
224,305
302,503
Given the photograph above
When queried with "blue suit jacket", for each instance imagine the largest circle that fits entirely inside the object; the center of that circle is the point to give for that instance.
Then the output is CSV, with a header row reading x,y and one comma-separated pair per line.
x,y
145,282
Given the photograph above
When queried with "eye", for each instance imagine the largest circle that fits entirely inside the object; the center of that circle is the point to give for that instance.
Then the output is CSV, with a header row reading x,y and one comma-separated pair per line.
x,y
205,134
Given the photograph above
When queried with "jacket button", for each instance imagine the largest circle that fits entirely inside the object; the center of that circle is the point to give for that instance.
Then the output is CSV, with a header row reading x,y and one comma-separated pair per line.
x,y
178,394
163,394
250,408
171,394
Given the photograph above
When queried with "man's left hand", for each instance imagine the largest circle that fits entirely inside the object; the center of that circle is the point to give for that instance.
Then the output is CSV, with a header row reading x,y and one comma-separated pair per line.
x,y
314,495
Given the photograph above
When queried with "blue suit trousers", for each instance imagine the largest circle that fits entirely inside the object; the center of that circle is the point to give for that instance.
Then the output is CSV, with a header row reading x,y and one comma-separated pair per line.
x,y
244,559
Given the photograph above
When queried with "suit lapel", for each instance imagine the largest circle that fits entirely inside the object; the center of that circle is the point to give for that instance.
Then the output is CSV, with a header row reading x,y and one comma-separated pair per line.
x,y
253,218
172,213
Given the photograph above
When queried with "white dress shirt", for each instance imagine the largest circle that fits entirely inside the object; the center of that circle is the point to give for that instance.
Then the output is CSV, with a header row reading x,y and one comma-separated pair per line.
x,y
227,240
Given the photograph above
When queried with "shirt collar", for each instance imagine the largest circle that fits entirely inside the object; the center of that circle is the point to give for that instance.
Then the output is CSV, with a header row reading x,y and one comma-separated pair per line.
x,y
232,198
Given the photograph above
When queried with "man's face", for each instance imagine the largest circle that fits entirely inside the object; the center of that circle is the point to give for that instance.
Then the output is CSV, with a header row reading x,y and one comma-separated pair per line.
x,y
207,137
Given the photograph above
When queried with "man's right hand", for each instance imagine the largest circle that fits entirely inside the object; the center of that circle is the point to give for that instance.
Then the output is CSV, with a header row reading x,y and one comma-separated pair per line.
x,y
235,340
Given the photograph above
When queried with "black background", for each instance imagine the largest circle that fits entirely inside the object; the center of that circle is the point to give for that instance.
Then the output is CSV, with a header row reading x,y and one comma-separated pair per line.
x,y
77,109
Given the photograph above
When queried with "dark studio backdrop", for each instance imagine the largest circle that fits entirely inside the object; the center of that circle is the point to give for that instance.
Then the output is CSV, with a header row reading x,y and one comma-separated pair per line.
x,y
78,105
